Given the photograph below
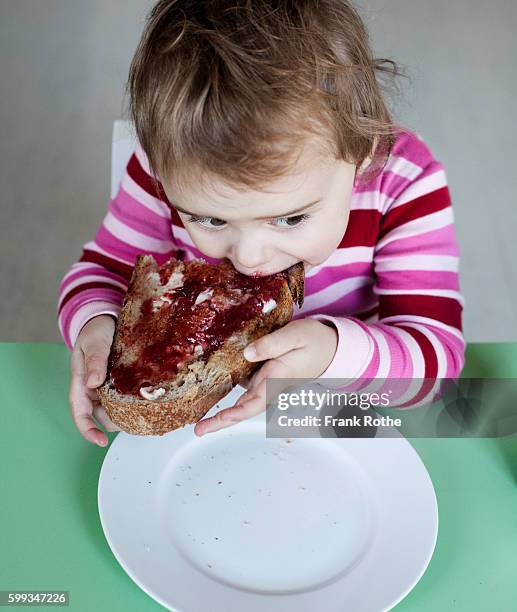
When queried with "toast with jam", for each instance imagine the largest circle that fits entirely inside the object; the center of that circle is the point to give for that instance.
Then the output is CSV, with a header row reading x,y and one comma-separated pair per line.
x,y
179,340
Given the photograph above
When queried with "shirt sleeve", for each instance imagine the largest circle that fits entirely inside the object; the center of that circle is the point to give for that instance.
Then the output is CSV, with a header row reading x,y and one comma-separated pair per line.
x,y
416,265
138,220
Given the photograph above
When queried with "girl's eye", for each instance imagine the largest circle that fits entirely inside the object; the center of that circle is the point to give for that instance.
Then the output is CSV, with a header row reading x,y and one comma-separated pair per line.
x,y
295,221
207,222
283,222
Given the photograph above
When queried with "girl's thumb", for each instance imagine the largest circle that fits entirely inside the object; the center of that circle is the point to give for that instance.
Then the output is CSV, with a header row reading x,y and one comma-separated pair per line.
x,y
95,365
93,378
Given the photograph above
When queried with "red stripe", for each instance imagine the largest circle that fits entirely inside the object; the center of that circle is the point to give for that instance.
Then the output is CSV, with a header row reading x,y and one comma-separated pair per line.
x,y
85,287
153,187
175,218
431,365
427,385
362,229
444,309
414,209
113,265
430,358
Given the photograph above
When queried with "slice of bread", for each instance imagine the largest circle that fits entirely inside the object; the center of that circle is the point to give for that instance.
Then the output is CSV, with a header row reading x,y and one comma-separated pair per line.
x,y
179,340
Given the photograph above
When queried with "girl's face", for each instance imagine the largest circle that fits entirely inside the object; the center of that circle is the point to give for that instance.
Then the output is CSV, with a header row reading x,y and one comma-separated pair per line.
x,y
301,217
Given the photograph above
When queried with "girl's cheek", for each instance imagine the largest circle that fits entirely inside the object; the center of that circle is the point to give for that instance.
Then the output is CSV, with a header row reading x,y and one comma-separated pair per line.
x,y
211,245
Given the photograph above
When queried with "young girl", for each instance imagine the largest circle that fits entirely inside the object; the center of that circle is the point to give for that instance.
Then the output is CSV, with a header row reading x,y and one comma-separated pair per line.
x,y
263,138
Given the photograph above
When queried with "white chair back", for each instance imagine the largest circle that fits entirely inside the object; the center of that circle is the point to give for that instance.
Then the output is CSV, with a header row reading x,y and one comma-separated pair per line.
x,y
123,144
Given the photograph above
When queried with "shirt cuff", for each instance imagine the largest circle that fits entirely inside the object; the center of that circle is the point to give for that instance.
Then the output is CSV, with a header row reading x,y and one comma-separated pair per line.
x,y
354,350
87,312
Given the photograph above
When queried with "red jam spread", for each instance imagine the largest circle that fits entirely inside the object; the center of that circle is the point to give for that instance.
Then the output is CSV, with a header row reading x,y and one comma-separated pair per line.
x,y
172,329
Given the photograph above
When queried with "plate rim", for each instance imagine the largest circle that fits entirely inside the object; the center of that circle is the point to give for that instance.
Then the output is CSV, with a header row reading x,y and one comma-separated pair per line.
x,y
427,555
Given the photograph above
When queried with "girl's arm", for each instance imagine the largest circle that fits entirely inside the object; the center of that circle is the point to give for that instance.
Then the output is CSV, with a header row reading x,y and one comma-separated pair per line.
x,y
419,333
137,221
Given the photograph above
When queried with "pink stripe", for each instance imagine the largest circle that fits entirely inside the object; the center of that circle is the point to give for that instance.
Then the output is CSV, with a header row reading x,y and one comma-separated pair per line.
x,y
409,146
65,331
401,361
436,242
391,184
124,251
348,304
90,295
330,275
373,367
418,279
93,270
135,215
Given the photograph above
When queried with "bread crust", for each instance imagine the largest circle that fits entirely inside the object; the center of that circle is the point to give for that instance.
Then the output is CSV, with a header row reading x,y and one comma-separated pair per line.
x,y
200,385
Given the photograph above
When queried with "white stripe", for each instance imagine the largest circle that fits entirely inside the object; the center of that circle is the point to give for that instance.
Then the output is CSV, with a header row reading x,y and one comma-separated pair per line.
x,y
87,279
76,267
136,239
384,353
366,200
403,167
425,321
422,225
334,292
440,263
133,190
427,184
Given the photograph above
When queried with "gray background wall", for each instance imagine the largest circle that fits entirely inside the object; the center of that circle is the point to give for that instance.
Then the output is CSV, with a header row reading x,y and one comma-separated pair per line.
x,y
63,68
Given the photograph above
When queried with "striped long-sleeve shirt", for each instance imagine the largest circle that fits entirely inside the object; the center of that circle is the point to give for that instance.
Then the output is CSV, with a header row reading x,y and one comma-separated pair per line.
x,y
391,287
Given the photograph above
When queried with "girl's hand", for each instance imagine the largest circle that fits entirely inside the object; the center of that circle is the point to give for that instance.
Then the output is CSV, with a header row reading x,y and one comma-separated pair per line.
x,y
89,367
302,349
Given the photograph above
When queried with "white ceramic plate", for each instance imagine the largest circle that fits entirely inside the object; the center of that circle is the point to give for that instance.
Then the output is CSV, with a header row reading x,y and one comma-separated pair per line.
x,y
235,521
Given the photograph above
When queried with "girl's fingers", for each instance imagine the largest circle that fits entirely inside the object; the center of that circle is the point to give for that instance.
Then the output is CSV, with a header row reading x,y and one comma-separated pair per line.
x,y
212,424
102,417
245,382
276,343
248,382
96,363
248,405
81,407
274,368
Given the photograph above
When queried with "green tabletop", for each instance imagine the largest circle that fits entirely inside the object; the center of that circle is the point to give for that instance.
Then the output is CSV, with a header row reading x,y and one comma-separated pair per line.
x,y
51,537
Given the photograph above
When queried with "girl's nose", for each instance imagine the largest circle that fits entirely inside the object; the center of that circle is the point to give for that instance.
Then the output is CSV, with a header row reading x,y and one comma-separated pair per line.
x,y
248,255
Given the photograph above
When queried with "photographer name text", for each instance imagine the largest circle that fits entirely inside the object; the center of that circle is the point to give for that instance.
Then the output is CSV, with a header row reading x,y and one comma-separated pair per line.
x,y
365,420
